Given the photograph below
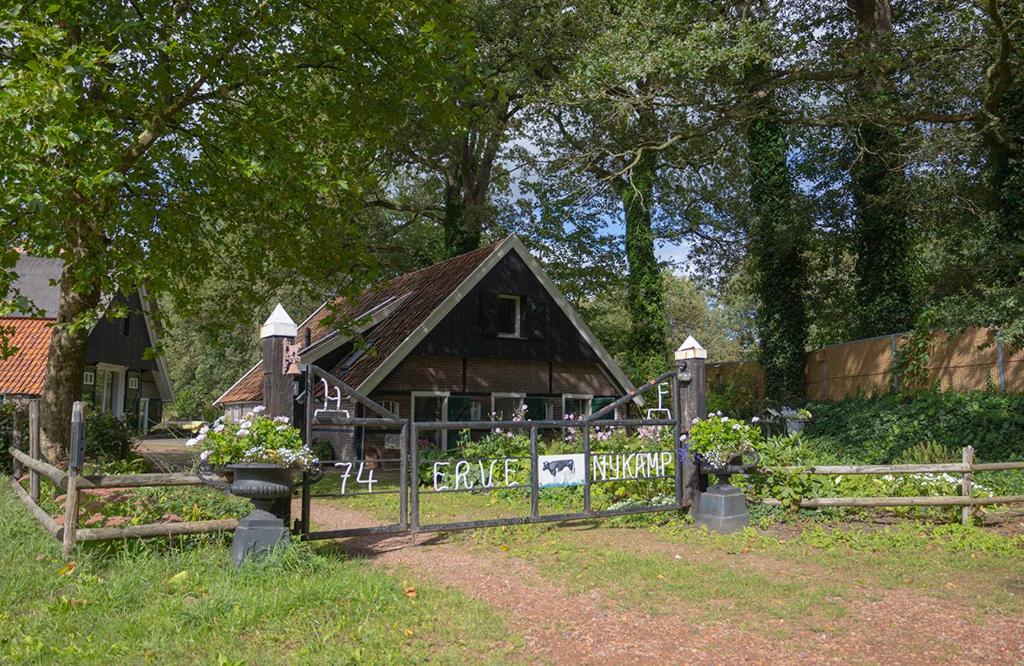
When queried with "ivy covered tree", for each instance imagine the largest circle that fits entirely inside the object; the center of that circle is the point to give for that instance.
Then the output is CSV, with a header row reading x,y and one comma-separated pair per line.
x,y
882,235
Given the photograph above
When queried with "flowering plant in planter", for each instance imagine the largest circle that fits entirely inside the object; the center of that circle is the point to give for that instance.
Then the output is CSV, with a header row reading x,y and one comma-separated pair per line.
x,y
801,414
254,439
718,439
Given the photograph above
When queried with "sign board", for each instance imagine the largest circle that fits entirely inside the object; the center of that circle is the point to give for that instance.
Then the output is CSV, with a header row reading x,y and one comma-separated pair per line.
x,y
565,469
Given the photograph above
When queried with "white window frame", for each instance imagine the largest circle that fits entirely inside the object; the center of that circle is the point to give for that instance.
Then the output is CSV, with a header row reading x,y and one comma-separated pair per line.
x,y
519,317
444,410
495,396
578,396
133,383
88,378
117,387
143,415
392,406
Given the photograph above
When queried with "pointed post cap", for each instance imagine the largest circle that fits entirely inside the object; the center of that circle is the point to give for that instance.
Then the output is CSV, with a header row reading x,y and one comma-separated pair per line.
x,y
278,324
690,349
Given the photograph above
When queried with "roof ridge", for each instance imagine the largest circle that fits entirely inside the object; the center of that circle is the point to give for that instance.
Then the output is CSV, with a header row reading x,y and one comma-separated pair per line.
x,y
490,246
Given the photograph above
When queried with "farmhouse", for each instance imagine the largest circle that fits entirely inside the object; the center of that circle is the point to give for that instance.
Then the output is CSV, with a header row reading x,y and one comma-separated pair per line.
x,y
483,334
117,379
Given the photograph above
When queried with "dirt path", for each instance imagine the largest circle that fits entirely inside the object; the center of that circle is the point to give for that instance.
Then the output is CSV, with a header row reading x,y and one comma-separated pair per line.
x,y
559,626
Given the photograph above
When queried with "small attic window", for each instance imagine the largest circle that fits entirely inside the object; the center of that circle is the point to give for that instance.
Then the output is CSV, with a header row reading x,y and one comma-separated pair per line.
x,y
509,306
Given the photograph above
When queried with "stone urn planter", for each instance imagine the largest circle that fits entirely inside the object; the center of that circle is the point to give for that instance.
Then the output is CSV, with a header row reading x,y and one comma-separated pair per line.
x,y
262,483
722,507
794,425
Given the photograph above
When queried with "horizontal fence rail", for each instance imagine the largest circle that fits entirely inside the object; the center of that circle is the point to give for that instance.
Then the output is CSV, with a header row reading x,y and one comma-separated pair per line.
x,y
965,469
72,484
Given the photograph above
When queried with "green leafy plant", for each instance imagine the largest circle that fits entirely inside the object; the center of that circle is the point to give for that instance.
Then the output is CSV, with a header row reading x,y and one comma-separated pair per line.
x,y
878,430
254,439
108,437
718,439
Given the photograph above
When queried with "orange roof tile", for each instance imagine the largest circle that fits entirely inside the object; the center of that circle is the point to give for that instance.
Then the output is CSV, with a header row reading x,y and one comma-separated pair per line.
x,y
22,373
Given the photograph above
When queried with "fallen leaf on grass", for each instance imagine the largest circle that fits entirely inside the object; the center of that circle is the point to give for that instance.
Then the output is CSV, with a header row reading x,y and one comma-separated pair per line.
x,y
410,592
67,568
408,633
40,557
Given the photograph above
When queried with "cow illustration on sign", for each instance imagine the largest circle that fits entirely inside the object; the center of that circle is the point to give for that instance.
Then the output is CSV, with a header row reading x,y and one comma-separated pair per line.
x,y
560,470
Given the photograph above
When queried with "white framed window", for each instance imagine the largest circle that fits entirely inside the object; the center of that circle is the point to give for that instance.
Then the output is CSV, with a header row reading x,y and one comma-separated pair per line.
x,y
577,404
430,406
391,406
133,383
509,315
505,406
89,378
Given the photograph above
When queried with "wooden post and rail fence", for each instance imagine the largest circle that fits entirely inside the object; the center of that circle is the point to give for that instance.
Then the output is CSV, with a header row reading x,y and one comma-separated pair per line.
x,y
73,483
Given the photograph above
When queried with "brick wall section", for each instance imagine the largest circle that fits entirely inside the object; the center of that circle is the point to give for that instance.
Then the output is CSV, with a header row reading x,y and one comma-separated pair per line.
x,y
587,378
488,375
425,373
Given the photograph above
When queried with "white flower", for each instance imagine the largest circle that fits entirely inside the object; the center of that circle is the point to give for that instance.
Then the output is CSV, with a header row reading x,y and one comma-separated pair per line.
x,y
218,428
204,455
755,420
258,408
192,442
725,419
243,433
204,430
695,421
281,419
200,437
735,426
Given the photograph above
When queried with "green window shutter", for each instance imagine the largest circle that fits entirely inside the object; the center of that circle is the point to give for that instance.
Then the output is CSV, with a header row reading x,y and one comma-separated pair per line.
x,y
89,390
458,409
535,409
131,395
600,403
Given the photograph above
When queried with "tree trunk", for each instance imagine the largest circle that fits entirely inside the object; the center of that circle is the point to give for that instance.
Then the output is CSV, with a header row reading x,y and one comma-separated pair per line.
x,y
462,228
1004,133
647,322
882,231
62,384
468,182
777,235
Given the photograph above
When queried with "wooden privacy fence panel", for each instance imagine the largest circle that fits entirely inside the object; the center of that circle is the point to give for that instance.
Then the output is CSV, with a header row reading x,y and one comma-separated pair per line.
x,y
972,360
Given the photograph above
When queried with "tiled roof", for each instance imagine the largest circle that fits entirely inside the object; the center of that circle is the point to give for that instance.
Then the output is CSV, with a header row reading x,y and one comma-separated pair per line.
x,y
22,374
421,291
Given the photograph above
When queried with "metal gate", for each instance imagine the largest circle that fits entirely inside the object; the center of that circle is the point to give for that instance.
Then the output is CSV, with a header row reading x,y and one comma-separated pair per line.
x,y
357,476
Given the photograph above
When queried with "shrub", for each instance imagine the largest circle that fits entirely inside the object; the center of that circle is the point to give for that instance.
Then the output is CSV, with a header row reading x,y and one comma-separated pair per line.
x,y
880,429
7,410
107,437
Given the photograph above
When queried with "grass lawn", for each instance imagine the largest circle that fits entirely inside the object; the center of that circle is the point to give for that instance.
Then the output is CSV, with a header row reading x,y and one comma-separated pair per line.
x,y
163,603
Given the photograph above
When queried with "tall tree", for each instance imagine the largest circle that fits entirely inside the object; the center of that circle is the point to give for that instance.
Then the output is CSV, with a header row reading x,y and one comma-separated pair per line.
x,y
137,135
882,228
778,233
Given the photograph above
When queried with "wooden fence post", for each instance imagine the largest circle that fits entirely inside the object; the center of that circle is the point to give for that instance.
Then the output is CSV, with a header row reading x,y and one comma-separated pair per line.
x,y
967,485
16,466
33,448
74,467
689,403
